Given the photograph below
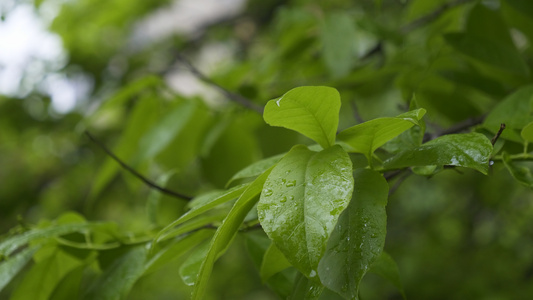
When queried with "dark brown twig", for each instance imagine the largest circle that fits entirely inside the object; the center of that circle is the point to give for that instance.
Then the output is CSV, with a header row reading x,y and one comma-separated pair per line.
x,y
135,173
230,95
356,114
495,138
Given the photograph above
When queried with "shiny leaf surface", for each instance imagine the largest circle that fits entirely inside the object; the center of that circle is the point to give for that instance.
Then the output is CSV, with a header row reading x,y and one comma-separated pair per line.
x,y
358,237
366,137
302,200
311,110
471,150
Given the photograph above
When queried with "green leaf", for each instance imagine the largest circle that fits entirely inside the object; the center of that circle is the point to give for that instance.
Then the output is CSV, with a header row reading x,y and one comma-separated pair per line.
x,y
521,174
516,111
191,267
175,250
273,262
386,267
163,132
338,39
204,206
302,200
501,56
306,289
488,23
43,277
69,287
256,168
11,244
471,150
310,110
227,231
118,279
366,137
527,133
358,237
11,266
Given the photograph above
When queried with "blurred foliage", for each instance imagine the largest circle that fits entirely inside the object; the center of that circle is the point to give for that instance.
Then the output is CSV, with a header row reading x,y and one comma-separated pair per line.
x,y
455,234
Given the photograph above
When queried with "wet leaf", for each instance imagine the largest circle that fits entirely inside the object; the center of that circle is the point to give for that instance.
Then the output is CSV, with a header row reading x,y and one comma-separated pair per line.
x,y
227,231
358,237
366,137
302,200
310,110
204,205
10,267
471,150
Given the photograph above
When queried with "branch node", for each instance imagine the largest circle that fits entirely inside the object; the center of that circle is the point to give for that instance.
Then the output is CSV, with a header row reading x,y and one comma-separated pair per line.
x,y
495,138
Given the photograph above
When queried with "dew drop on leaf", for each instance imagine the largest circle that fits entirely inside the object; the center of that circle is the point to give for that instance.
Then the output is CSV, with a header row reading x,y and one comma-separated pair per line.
x,y
283,200
268,192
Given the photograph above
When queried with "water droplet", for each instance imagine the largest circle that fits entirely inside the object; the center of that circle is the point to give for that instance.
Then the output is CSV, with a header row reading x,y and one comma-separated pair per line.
x,y
312,274
283,200
268,192
291,198
291,183
283,181
287,172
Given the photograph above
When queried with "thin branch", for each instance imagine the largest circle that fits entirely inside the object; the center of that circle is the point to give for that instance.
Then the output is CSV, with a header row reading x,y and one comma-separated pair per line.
x,y
497,136
459,127
404,175
230,95
356,114
135,173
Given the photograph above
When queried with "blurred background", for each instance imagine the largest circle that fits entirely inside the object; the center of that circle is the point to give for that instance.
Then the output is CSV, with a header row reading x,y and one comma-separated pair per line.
x,y
131,72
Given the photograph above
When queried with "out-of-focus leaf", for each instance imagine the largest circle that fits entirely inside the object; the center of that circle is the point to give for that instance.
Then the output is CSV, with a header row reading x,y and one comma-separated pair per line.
x,y
11,244
256,168
515,111
163,132
43,277
471,150
119,277
527,133
310,110
273,262
366,137
198,210
488,23
521,174
525,7
358,237
226,232
69,287
386,267
302,200
11,266
338,40
501,56
144,115
152,203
